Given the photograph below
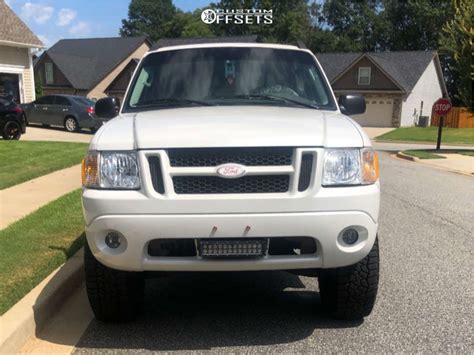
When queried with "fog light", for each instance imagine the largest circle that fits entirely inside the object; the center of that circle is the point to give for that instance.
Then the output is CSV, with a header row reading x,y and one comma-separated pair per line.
x,y
350,236
113,240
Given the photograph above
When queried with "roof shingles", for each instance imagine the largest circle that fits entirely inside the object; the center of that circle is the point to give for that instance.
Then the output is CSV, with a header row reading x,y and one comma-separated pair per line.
x,y
13,30
85,62
404,67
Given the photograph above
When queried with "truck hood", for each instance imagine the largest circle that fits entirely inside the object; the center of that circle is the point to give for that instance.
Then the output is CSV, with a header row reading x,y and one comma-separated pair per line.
x,y
228,126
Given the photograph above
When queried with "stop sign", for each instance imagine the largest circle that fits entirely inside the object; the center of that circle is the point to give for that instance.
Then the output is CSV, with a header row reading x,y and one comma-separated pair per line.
x,y
442,106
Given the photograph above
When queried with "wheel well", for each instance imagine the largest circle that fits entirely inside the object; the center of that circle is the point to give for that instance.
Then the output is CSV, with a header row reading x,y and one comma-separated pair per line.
x,y
10,119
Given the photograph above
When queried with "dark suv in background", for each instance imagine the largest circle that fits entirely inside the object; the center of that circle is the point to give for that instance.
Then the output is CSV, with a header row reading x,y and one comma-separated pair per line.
x,y
71,112
12,119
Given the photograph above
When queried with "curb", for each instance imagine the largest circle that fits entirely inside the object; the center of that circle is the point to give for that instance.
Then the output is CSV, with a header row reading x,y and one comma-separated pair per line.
x,y
418,160
407,157
423,143
26,318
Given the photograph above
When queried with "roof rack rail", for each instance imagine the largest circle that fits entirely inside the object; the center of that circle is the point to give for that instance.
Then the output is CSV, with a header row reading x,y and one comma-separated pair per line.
x,y
301,45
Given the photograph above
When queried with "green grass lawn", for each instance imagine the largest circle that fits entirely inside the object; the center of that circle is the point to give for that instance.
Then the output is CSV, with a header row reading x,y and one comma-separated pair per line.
x,y
423,154
21,161
36,245
433,153
429,134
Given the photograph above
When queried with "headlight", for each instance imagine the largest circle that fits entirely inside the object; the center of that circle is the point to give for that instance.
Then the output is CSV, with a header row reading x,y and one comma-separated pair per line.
x,y
350,167
111,170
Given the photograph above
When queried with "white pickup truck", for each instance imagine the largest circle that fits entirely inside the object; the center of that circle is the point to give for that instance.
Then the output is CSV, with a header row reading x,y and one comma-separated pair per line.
x,y
231,157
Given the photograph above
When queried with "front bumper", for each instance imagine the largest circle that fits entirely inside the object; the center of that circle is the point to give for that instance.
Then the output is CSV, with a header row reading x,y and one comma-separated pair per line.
x,y
139,230
145,214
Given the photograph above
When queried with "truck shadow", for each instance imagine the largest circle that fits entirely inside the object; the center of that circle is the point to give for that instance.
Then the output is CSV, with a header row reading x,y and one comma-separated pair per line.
x,y
201,311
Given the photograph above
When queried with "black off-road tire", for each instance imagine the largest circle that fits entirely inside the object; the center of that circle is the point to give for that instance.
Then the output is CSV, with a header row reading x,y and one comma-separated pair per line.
x,y
11,131
349,292
114,296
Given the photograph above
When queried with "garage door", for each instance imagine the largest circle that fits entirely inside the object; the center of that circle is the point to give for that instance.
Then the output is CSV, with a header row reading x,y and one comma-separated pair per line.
x,y
378,113
10,86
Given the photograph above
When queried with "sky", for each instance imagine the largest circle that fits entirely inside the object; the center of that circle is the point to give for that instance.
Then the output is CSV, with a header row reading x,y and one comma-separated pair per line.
x,y
52,20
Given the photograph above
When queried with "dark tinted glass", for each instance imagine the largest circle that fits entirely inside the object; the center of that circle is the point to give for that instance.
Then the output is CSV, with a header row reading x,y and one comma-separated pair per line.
x,y
60,100
84,101
227,76
45,100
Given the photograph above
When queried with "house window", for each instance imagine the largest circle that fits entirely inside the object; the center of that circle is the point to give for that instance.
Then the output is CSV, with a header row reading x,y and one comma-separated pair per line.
x,y
364,76
48,73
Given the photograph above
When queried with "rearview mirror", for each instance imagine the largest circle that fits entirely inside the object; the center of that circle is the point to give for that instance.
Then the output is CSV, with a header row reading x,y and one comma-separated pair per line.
x,y
108,107
351,104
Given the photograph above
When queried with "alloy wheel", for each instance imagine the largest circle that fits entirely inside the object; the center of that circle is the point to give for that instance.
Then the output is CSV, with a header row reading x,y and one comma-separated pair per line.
x,y
71,124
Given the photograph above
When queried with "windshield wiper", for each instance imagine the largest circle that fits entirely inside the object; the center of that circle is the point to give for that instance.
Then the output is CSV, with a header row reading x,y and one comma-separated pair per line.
x,y
275,98
172,101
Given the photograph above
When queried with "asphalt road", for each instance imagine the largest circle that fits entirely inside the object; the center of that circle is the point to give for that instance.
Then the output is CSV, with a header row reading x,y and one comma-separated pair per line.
x,y
425,300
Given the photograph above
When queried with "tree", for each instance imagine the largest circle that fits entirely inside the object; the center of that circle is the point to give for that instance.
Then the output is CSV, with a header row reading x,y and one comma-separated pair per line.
x,y
414,24
150,18
190,24
231,29
291,20
456,43
357,25
38,86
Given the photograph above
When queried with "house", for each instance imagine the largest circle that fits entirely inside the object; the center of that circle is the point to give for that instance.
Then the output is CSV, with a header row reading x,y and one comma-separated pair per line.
x,y
17,44
398,87
89,66
119,85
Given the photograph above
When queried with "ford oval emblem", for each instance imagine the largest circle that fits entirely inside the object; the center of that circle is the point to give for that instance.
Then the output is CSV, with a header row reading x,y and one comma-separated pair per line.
x,y
230,171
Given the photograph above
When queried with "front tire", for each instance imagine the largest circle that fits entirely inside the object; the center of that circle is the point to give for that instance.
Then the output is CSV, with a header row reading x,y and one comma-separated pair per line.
x,y
114,296
11,131
71,125
349,292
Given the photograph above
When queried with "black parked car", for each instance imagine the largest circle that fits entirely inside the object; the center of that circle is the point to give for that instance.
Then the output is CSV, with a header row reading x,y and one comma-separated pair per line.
x,y
71,112
12,119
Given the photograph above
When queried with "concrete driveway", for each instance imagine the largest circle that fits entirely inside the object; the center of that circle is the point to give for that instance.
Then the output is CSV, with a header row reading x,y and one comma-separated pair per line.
x,y
373,132
38,133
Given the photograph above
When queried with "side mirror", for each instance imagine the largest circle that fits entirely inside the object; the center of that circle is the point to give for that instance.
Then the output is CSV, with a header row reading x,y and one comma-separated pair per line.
x,y
108,107
352,104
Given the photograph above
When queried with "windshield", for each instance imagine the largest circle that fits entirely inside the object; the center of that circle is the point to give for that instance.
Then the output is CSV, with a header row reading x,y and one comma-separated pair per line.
x,y
228,76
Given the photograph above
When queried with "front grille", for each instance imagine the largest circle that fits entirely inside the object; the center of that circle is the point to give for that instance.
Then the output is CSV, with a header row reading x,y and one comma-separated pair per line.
x,y
244,185
156,174
232,247
172,247
305,171
264,156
